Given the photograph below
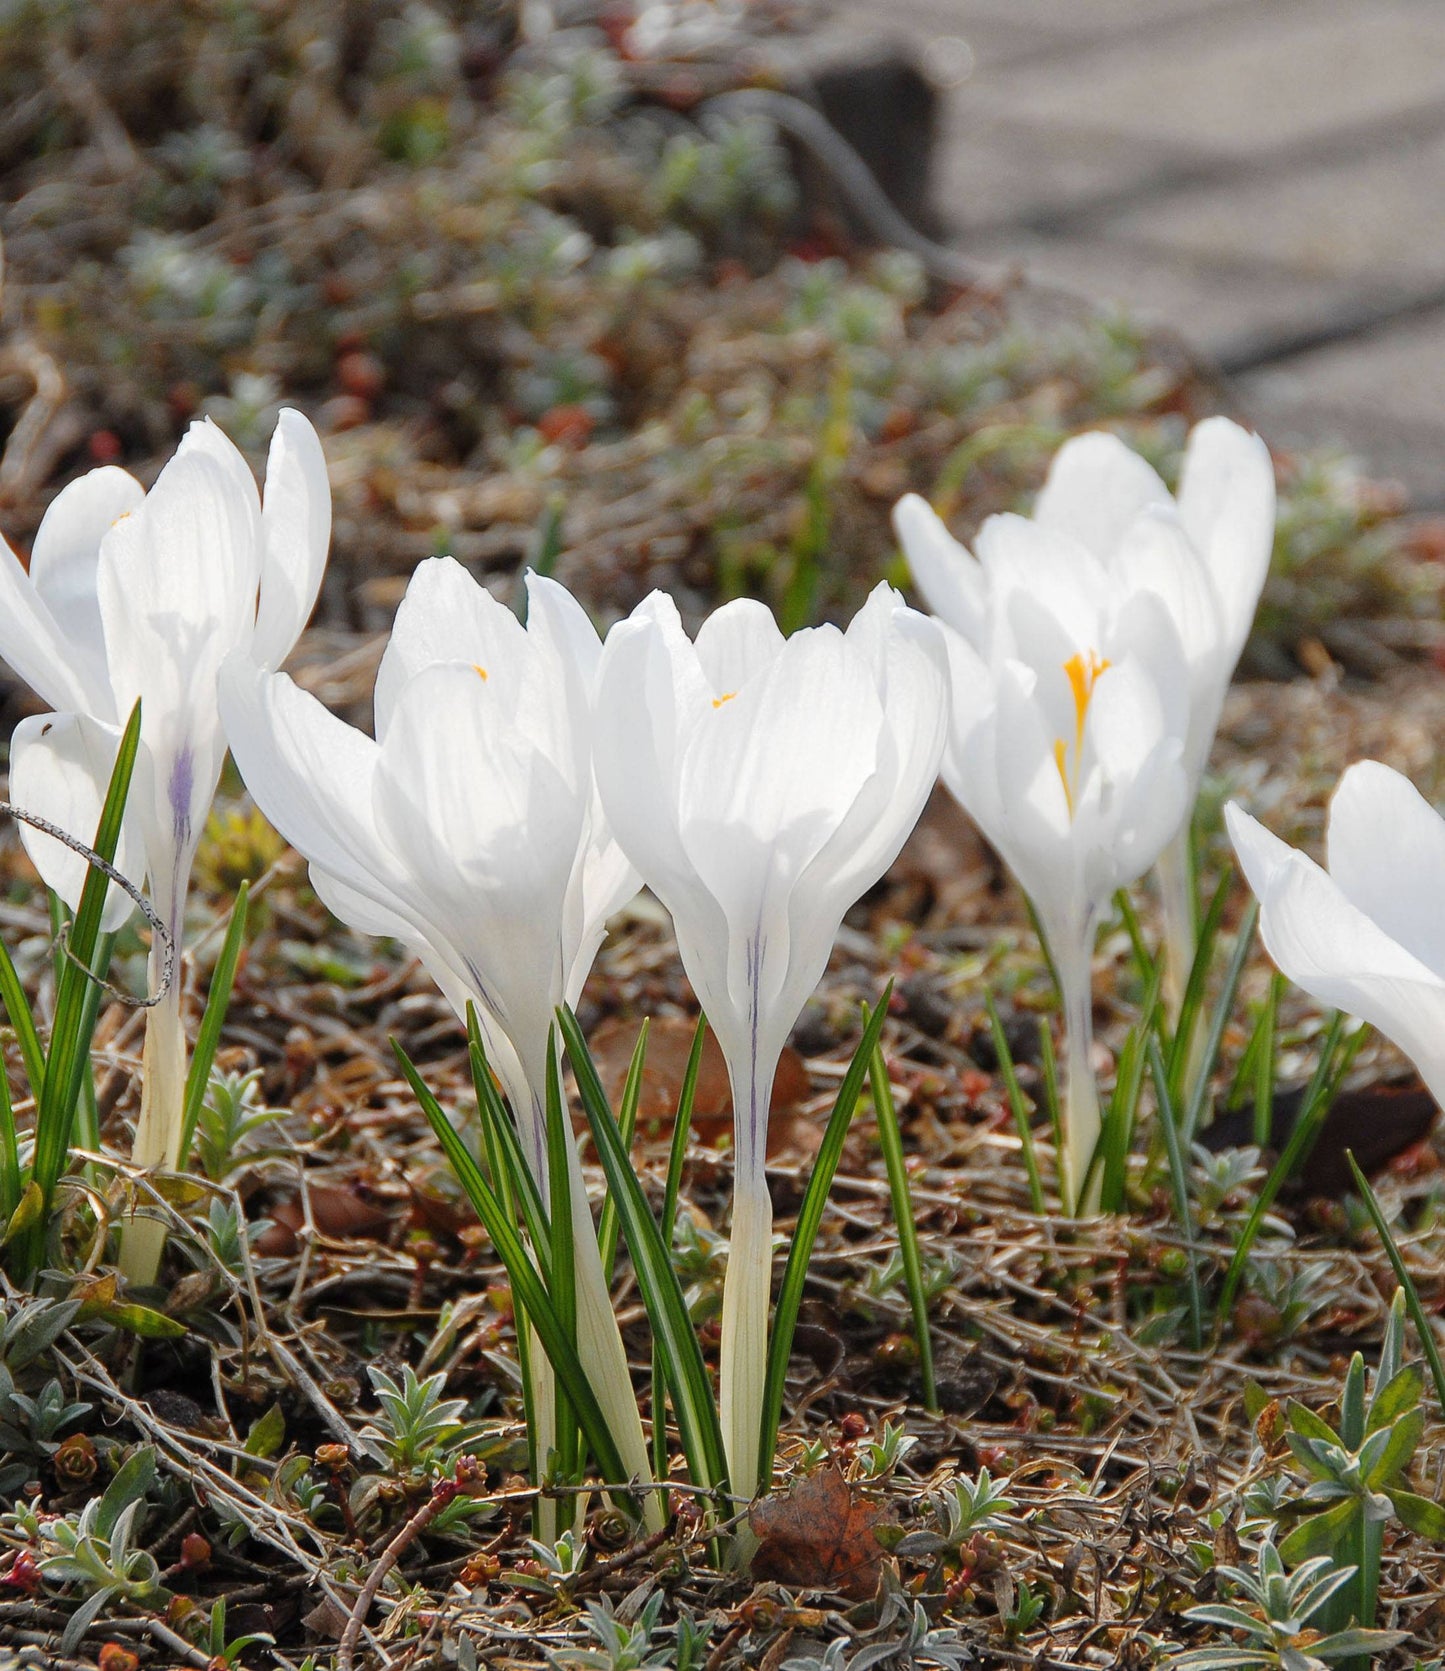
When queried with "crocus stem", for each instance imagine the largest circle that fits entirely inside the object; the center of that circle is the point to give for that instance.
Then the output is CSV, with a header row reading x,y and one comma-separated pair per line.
x,y
1082,1121
599,1346
599,1341
1175,870
162,1113
747,1288
743,1354
543,1399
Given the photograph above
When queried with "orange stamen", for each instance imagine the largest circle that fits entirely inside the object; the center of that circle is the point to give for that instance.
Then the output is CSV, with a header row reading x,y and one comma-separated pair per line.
x,y
1083,672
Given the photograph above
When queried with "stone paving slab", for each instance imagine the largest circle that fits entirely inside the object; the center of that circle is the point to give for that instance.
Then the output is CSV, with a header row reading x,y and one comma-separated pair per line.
x,y
1258,175
1371,221
1221,307
1225,89
987,181
1386,389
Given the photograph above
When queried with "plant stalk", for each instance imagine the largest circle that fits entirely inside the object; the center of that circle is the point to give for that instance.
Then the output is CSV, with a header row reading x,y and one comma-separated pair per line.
x,y
1082,1118
161,1124
747,1288
1175,872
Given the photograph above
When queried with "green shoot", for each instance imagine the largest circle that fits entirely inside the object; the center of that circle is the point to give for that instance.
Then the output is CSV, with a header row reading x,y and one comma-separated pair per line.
x,y
891,1141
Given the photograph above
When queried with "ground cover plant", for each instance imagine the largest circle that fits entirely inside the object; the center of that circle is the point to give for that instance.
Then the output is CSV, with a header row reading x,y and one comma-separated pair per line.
x,y
348,1422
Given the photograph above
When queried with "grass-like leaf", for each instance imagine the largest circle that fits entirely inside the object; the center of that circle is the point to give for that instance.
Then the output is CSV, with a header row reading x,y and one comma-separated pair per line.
x,y
1018,1105
1180,1047
1053,1102
688,1382
527,1284
890,1139
1179,1185
1117,1136
504,1151
17,1008
1320,1093
68,1059
10,1184
1417,1310
1265,1066
676,1157
1219,1020
208,1039
562,1284
627,1124
805,1234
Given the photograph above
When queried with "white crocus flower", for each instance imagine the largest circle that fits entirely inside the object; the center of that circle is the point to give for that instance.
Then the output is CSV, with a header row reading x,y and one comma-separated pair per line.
x,y
1066,748
141,596
1204,554
1368,935
761,785
469,829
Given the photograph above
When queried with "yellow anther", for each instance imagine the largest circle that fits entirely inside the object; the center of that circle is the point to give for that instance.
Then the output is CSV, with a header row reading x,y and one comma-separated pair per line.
x,y
1083,672
121,518
727,696
1061,761
480,671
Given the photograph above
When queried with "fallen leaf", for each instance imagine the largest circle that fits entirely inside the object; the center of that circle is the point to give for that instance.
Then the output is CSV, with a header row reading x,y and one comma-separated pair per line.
x,y
669,1044
821,1535
343,1211
1375,1123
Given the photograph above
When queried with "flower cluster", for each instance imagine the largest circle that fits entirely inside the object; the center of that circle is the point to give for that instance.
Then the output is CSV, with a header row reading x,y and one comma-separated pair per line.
x,y
140,597
523,781
1091,647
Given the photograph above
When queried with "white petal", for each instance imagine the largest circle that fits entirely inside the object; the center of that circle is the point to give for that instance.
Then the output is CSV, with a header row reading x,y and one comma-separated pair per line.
x,y
314,777
1227,506
946,573
66,554
60,770
736,643
441,963
651,693
1339,956
1262,855
177,587
1156,555
871,834
32,642
447,615
912,679
556,620
1049,567
470,804
1386,850
296,532
1125,719
1096,488
1191,682
1037,836
1144,632
971,704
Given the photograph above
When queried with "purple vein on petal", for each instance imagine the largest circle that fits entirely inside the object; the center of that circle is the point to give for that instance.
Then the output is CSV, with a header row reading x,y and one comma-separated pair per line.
x,y
180,789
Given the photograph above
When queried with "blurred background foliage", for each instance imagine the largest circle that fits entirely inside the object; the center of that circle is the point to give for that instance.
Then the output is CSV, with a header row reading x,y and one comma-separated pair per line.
x,y
547,304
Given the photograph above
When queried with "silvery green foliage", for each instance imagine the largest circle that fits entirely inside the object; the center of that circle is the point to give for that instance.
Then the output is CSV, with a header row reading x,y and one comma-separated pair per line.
x,y
95,1550
1280,1608
1356,1472
906,1641
32,1424
416,1427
